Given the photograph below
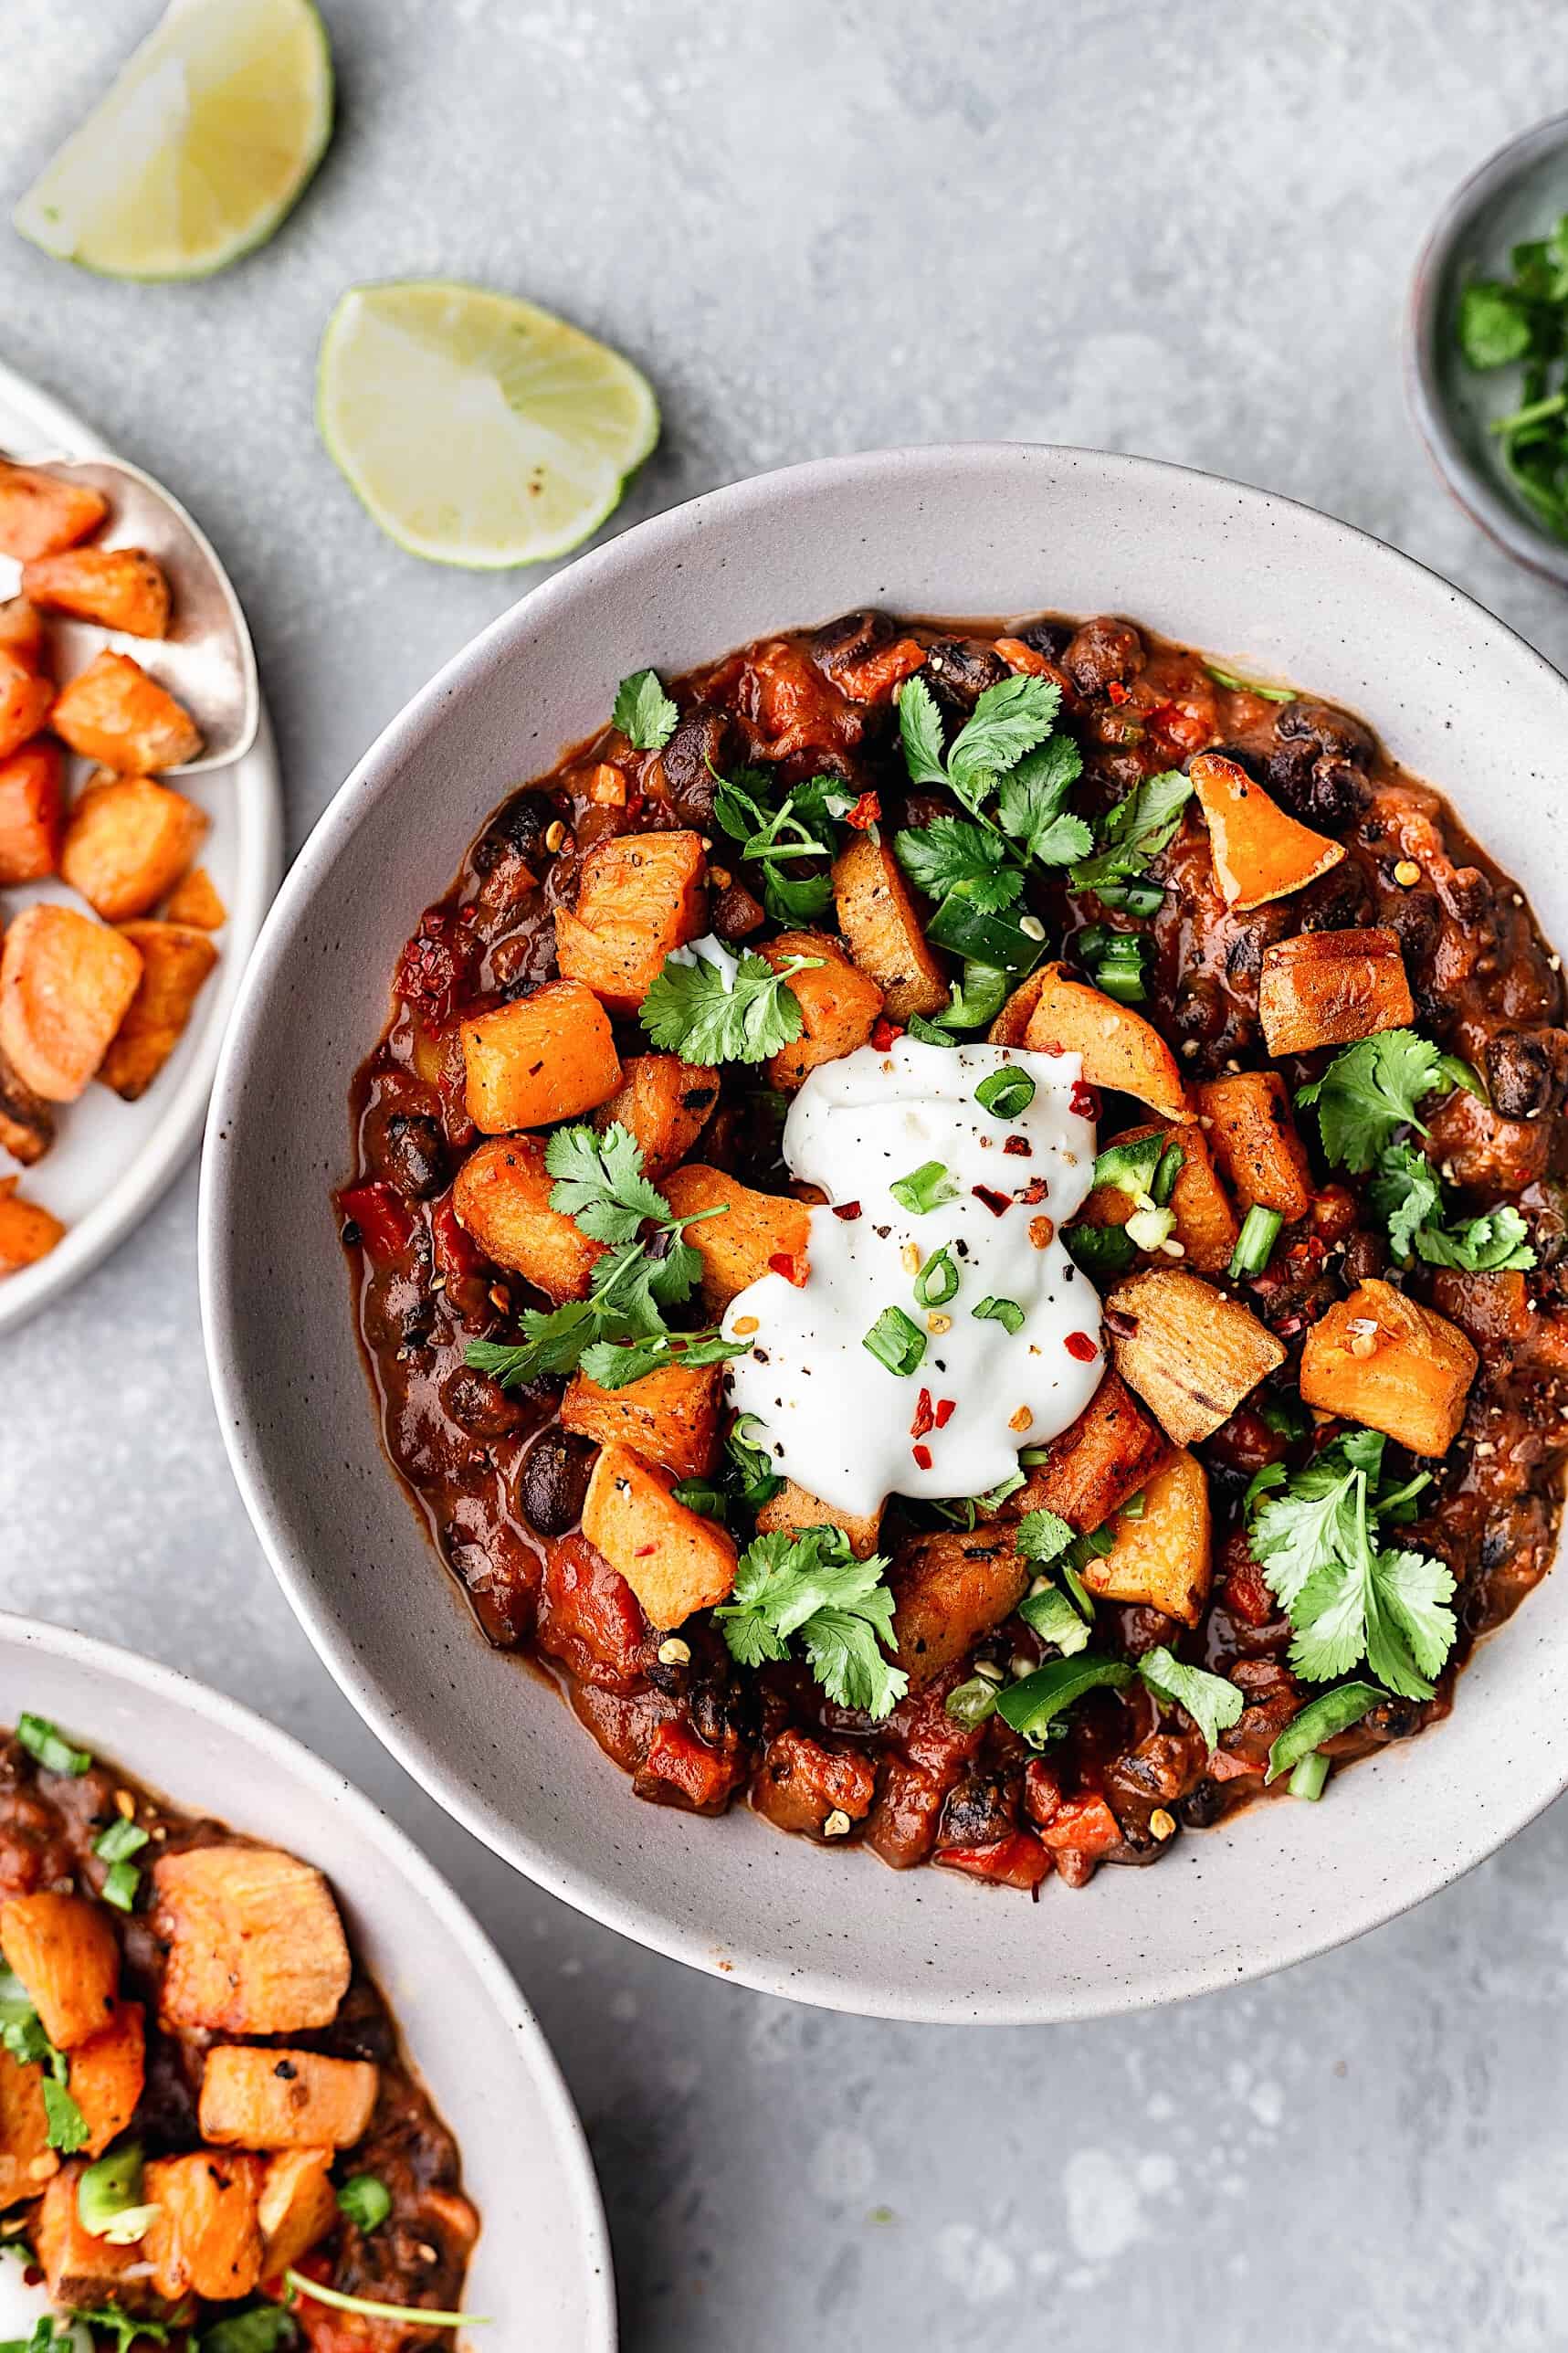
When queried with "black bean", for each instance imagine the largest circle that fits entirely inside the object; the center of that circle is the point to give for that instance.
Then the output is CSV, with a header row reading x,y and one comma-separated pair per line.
x,y
481,1406
958,673
1105,653
411,1151
1049,638
1528,1070
704,740
555,1474
981,1809
848,640
1202,1807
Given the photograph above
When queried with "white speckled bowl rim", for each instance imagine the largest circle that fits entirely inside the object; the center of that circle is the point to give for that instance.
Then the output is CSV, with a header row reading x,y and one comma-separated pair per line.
x,y
1258,582
540,2272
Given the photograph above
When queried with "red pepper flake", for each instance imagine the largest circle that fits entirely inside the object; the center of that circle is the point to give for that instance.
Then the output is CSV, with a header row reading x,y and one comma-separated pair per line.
x,y
1020,1146
1035,1191
922,1456
790,1265
1084,1101
925,1414
866,812
883,1033
1082,1346
1117,692
644,1552
998,1203
945,1409
849,1211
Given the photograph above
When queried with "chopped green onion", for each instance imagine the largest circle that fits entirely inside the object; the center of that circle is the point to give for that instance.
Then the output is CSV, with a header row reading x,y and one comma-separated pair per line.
x,y
937,1280
1100,1250
1051,1615
54,1752
1005,1312
1117,962
1172,1160
924,1189
109,2197
366,2201
896,1342
1255,1243
1082,1598
1331,1712
1135,1506
973,1701
700,1495
1249,686
1005,1093
1032,1705
1096,1544
121,1882
1140,897
1307,1780
121,1840
338,2302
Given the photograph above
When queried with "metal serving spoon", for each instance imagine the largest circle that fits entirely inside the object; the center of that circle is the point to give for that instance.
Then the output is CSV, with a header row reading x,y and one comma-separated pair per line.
x,y
207,661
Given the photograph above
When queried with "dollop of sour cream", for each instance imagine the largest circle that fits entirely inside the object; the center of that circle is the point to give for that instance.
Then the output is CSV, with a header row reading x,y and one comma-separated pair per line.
x,y
839,1422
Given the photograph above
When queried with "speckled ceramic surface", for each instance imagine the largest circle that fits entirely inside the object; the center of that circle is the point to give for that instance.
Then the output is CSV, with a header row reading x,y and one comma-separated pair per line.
x,y
541,2271
1253,579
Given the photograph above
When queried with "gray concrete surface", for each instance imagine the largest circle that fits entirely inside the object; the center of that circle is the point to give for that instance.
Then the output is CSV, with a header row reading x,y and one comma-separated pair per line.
x,y
820,226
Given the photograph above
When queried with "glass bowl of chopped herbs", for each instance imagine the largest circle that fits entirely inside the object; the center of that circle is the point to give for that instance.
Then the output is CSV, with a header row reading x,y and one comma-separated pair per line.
x,y
1488,346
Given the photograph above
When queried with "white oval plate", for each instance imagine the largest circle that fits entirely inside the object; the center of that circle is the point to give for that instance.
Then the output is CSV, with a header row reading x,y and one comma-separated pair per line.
x,y
540,2272
110,1160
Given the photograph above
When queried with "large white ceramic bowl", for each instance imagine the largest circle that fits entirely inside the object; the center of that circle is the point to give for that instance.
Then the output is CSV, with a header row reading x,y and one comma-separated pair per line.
x,y
540,2272
1255,580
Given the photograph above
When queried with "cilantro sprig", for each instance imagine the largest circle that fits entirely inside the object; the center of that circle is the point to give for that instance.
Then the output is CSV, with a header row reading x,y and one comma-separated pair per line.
x,y
807,1586
1213,1702
705,1013
1519,321
22,2036
644,712
1130,837
1374,1088
1006,755
1317,1536
1408,1192
776,838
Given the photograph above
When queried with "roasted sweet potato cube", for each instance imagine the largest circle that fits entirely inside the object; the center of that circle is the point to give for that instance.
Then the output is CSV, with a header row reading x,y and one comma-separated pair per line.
x,y
1106,1455
1119,1049
26,1122
205,2237
1253,1137
503,1198
794,1507
839,1006
30,812
22,633
1011,1026
1206,1225
27,2160
665,1103
1191,1353
640,895
81,2272
1162,1560
299,2207
1380,1358
669,1417
65,984
119,588
949,1588
42,513
673,1558
256,1945
1329,988
63,1949
540,1059
1259,851
194,900
27,1232
254,2099
176,963
25,697
755,1230
127,842
876,916
115,713
106,2076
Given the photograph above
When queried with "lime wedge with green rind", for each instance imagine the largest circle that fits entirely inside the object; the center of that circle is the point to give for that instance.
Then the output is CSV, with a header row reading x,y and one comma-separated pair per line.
x,y
477,429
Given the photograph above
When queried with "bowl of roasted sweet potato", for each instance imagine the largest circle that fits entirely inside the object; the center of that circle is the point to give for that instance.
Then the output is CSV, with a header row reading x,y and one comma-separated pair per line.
x,y
957,1228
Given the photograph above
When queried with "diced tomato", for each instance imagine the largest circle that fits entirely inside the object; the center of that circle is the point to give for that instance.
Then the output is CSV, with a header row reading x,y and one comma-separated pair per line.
x,y
874,677
1247,1597
1042,1792
1017,1860
1086,1825
589,1617
677,1755
1185,730
791,1265
384,1218
865,814
457,1252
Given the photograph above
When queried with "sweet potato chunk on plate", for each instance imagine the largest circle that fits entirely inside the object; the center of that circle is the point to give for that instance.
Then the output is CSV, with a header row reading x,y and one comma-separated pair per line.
x,y
27,1232
1381,1358
1253,1137
26,1122
674,1560
540,1059
254,2099
1191,1353
26,699
1329,988
194,900
640,895
175,962
949,1588
64,1950
669,1417
113,713
503,1199
665,1103
30,812
81,2272
65,984
256,1945
1162,1560
876,916
1259,851
27,2160
1104,1457
741,1245
298,2206
40,514
22,632
794,1507
106,2076
205,2237
1119,1049
839,1006
121,588
127,842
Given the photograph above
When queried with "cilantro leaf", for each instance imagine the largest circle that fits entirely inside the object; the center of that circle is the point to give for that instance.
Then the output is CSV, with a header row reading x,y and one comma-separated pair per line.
x,y
957,853
1407,1191
644,712
1494,324
689,1010
1032,798
1010,718
919,732
1213,1702
615,1364
67,2126
1134,832
1370,1090
808,1583
600,1182
1498,1241
1043,1535
130,2329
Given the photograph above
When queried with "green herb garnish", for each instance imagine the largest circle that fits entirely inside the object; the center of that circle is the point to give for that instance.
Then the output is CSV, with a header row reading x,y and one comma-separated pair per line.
x,y
1407,1191
1032,1705
120,1839
1255,1243
938,1280
644,712
1213,1702
1521,322
895,1341
925,1188
1320,1720
806,1584
366,2200
1373,1089
1050,1614
120,1882
264,2328
775,839
696,1010
1043,1535
1006,1094
1130,837
54,1752
1005,1312
1249,685
335,2298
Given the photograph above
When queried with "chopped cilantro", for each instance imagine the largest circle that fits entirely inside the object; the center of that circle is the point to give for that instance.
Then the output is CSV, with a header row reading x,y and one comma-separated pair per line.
x,y
1373,1089
49,1744
1130,835
644,712
366,2200
1407,1191
808,1583
696,1010
1043,1536
1213,1702
599,1182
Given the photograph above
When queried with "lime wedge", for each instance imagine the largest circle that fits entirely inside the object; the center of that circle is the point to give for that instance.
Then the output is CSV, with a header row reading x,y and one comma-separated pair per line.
x,y
198,148
476,430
